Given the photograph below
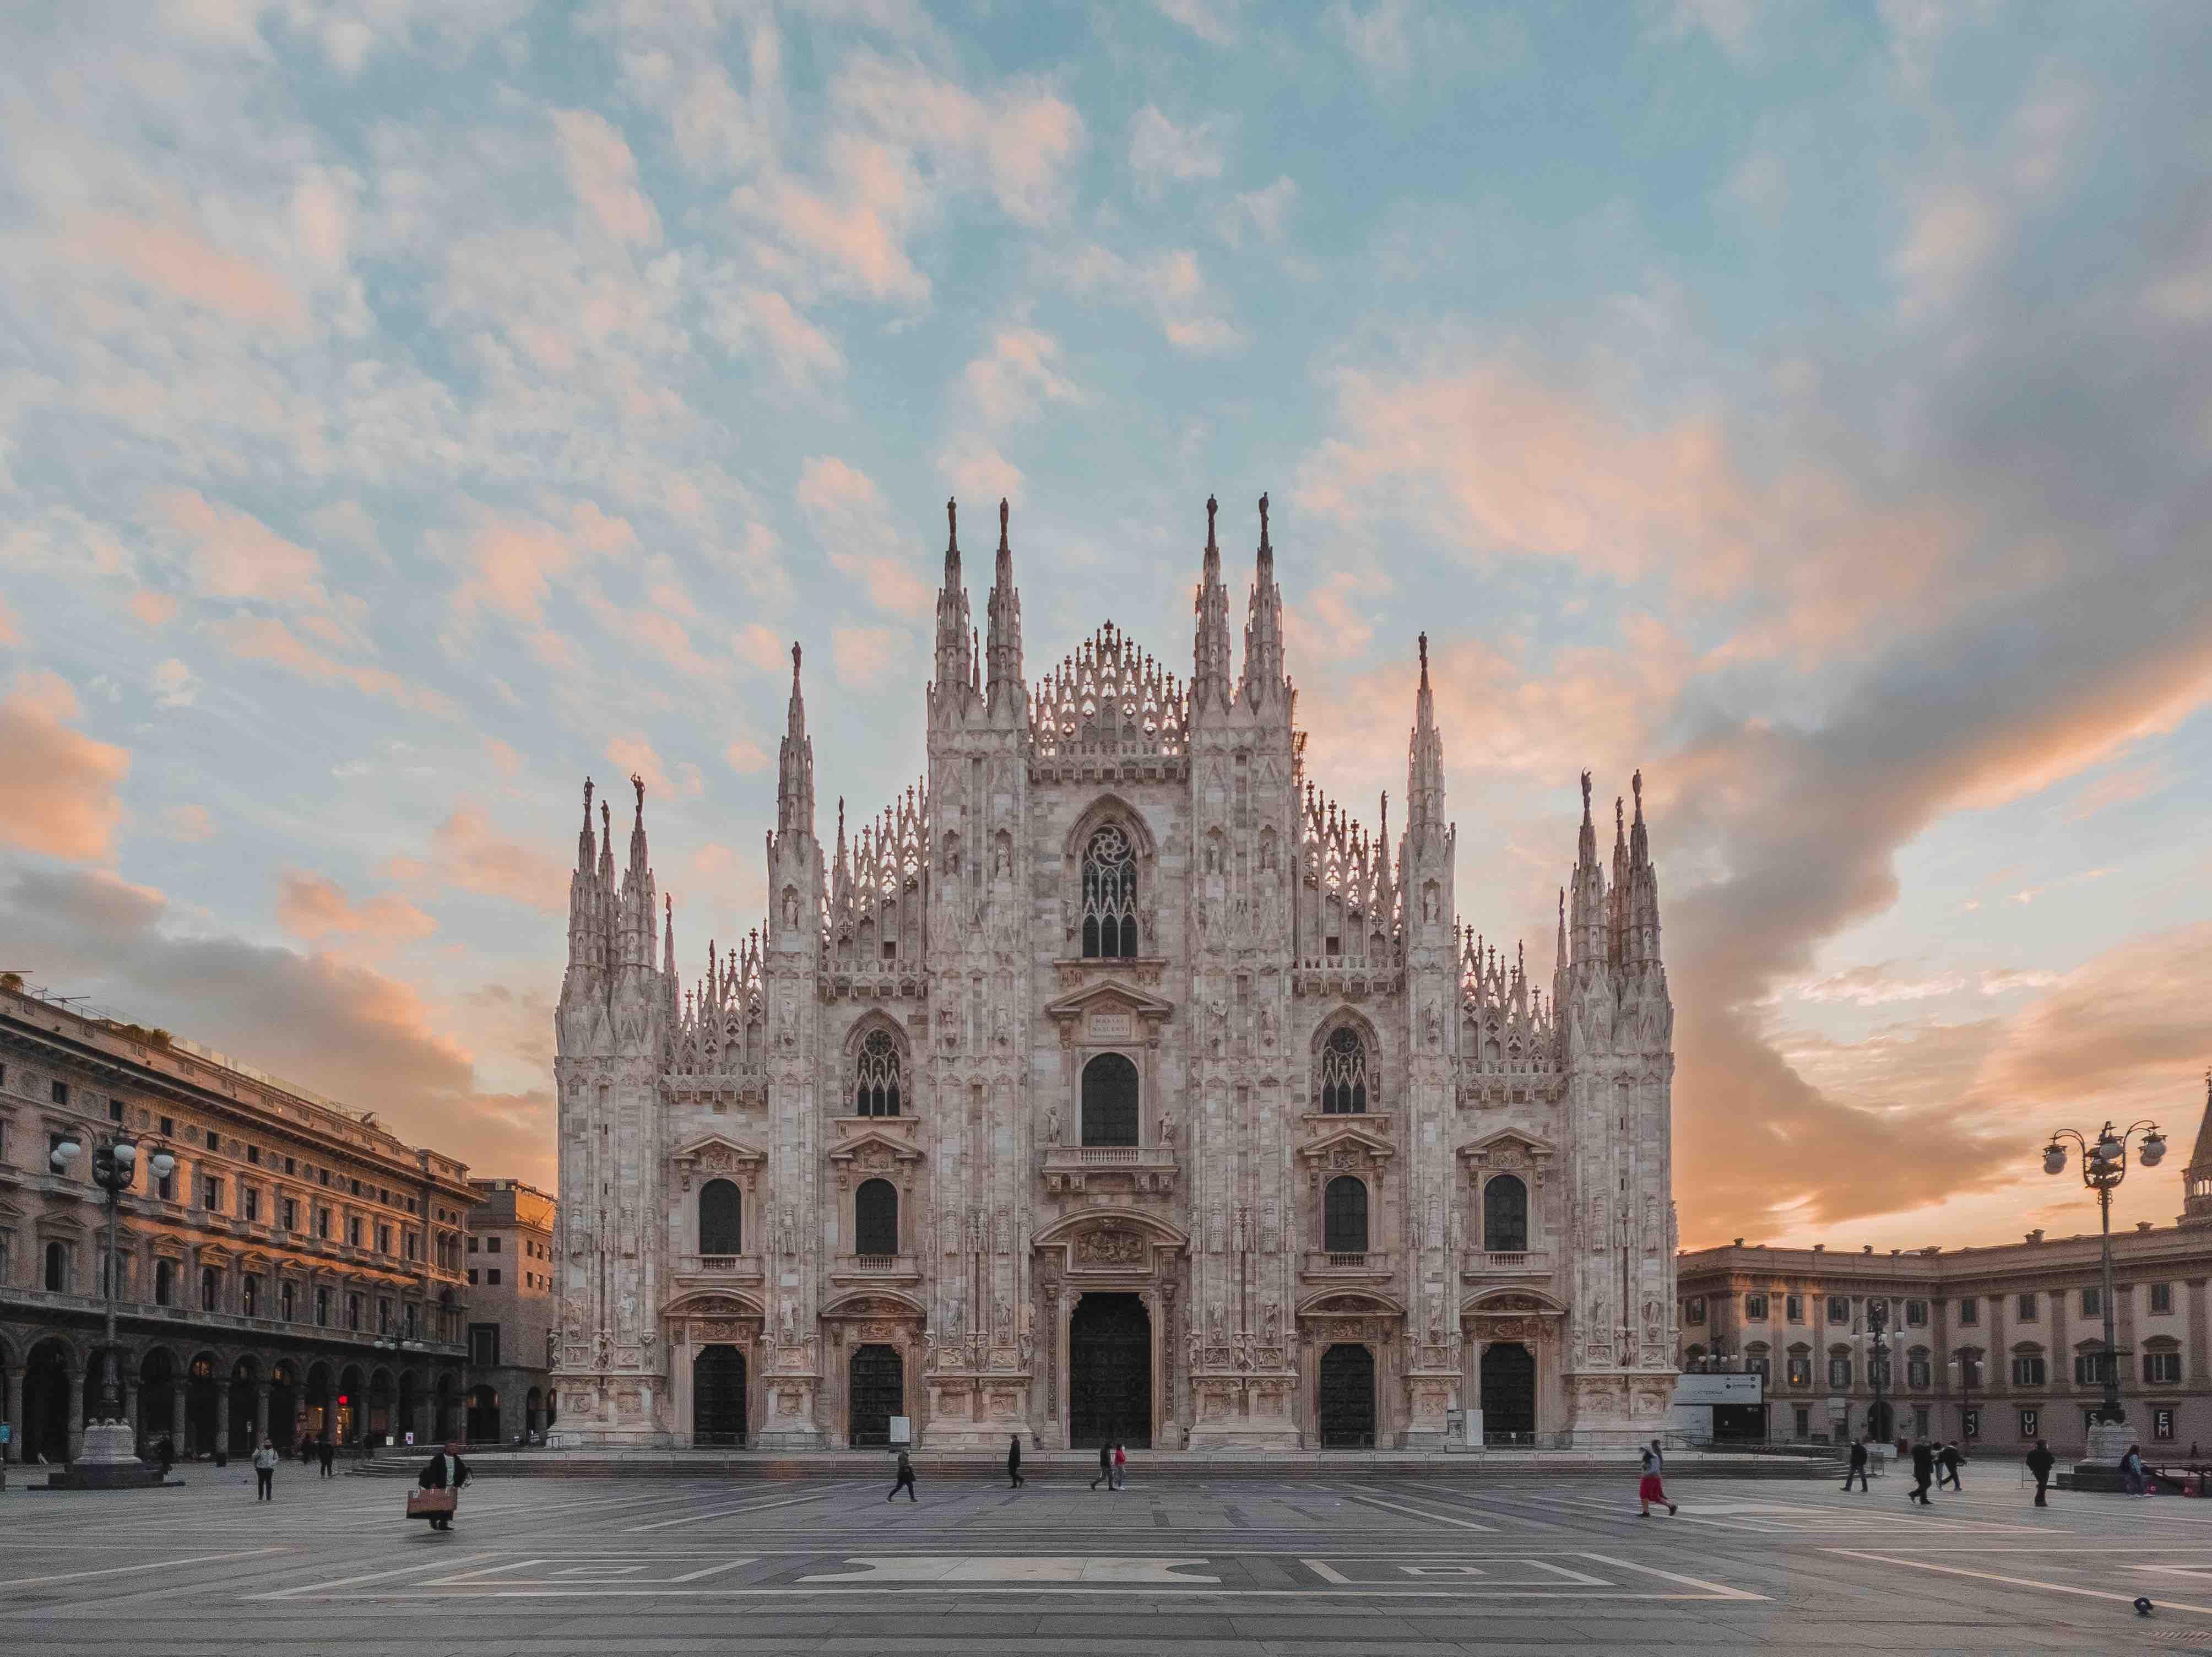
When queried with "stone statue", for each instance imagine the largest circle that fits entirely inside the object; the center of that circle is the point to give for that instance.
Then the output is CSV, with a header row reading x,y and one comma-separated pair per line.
x,y
1167,1129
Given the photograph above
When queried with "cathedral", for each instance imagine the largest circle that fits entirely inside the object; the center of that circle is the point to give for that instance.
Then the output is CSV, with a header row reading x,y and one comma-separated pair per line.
x,y
1113,1085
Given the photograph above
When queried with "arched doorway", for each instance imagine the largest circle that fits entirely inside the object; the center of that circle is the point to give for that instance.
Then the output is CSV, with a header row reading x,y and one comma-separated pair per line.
x,y
157,1392
1109,1372
410,1398
1880,1421
1509,1394
483,1415
244,1395
876,1392
380,1407
352,1405
315,1416
1347,1397
442,1427
45,1404
718,1396
199,1406
283,1404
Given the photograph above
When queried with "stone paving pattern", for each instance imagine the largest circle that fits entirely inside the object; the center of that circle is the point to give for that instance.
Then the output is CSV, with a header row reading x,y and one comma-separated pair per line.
x,y
1337,1564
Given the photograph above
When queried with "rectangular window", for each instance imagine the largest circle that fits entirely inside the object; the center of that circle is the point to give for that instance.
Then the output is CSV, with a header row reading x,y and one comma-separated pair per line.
x,y
413,1315
213,1140
1758,1366
2161,1424
353,1312
2030,1423
491,1277
1754,1308
1917,1372
115,1110
384,1239
474,1243
168,1127
353,1232
291,1214
285,1302
288,1166
383,1316
323,1175
2028,1369
60,1092
322,1224
2093,1302
1970,1312
2162,1369
254,1155
472,1275
483,1345
211,1195
2162,1299
1839,1375
253,1204
1839,1309
2027,1308
166,1186
491,1246
322,1308
2089,1369
1916,1314
1804,1422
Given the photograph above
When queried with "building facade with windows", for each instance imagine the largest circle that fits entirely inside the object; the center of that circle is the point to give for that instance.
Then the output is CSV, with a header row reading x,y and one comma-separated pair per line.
x,y
1114,1083
1996,1347
510,1307
300,1267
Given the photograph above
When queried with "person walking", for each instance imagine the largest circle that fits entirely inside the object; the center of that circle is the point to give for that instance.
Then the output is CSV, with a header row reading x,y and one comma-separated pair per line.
x,y
905,1479
1949,1460
2131,1472
1924,1471
445,1471
2041,1461
1857,1470
327,1452
1105,1467
166,1457
1014,1462
1121,1468
265,1470
1652,1486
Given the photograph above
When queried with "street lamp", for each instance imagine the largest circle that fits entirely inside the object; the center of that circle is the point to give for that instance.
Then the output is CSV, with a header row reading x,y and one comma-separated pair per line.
x,y
1877,1321
2104,1165
1965,1367
114,1166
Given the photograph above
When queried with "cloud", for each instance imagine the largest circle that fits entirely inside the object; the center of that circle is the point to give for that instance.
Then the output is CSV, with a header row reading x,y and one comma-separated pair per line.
x,y
978,471
1262,215
1395,41
467,854
850,520
760,319
235,556
264,638
345,1031
2119,788
866,656
1007,381
190,824
1171,285
604,175
1161,152
173,259
175,685
502,756
151,608
1954,230
314,908
633,755
1213,21
62,790
1728,24
746,755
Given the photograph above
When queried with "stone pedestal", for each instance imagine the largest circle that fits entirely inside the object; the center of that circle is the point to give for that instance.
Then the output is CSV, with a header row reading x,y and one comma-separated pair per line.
x,y
2100,1469
107,1461
977,1410
1242,1412
791,1410
1429,1405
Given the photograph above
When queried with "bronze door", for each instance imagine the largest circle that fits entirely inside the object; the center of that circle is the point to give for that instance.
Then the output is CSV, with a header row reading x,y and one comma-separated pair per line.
x,y
877,1392
1348,1398
718,1396
1109,1372
1509,1394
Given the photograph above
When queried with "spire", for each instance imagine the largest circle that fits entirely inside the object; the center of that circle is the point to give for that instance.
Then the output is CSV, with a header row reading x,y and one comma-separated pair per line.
x,y
1616,905
1642,941
1263,630
586,927
2195,1209
841,866
1004,649
668,938
1588,919
956,663
794,788
584,837
1209,677
1425,762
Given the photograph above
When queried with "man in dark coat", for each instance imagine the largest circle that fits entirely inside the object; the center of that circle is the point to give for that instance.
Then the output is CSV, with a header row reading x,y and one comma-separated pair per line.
x,y
1857,1469
446,1471
1014,1462
1923,1472
905,1481
325,1451
1951,1460
2040,1462
166,1455
1105,1466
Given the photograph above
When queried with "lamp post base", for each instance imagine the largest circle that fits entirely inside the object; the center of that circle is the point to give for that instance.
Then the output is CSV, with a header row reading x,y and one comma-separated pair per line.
x,y
108,1461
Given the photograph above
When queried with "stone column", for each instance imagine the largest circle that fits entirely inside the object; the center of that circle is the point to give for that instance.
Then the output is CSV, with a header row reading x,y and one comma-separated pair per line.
x,y
222,1417
12,1378
421,1423
178,1389
75,1413
129,1384
260,1412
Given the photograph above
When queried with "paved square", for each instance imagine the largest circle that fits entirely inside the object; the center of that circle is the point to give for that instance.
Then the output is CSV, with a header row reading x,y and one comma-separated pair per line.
x,y
1364,1565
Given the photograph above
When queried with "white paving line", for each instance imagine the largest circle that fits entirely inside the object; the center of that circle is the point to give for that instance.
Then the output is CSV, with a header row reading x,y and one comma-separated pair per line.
x,y
754,1507
306,1589
1673,1576
150,1565
1439,1519
2014,1581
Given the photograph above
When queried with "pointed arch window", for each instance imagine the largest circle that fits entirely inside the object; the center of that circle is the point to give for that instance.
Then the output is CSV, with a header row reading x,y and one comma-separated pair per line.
x,y
722,1218
1344,1073
1344,1215
1109,896
876,1083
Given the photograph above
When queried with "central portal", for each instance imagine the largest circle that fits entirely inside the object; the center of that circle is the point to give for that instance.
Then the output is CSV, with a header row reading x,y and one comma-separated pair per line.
x,y
1109,1372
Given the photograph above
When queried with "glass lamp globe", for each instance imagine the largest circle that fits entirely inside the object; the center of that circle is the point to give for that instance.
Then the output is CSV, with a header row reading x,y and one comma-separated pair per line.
x,y
2153,1149
2109,1147
126,1154
67,1150
163,1164
2054,1159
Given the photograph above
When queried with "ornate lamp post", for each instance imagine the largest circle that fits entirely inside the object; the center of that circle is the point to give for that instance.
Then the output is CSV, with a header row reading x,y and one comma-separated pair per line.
x,y
2104,1165
1877,1323
1965,1367
110,1443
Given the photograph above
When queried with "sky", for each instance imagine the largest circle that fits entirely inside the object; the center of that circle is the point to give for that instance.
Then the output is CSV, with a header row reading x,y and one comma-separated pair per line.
x,y
408,408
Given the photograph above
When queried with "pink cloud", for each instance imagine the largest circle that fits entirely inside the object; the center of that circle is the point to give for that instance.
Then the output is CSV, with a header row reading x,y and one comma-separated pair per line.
x,y
849,517
62,792
604,175
314,908
635,756
236,556
153,609
746,755
190,824
10,632
264,638
467,853
173,259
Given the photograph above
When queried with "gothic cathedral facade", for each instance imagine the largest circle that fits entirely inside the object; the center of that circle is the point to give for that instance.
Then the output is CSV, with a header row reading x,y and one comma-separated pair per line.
x,y
1113,1085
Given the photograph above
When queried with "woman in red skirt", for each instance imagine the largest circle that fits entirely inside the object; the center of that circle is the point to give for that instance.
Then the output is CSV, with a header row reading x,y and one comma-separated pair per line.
x,y
1651,1488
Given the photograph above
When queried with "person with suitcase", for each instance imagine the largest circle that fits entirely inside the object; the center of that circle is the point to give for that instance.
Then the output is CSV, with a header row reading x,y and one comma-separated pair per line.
x,y
447,1471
